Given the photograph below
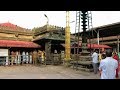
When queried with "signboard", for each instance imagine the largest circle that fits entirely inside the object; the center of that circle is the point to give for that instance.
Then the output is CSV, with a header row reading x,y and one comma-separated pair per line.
x,y
3,52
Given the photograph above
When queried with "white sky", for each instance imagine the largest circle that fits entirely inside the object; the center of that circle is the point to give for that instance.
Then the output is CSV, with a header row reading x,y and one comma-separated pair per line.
x,y
31,19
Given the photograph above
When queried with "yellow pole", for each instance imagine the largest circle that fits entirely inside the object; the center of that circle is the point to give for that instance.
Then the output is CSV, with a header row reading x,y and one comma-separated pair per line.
x,y
67,38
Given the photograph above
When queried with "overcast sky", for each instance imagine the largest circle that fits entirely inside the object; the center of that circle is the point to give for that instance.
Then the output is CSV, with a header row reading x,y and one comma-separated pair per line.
x,y
31,19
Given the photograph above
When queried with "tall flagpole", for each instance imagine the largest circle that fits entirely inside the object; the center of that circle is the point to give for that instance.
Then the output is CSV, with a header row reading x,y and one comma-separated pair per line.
x,y
67,38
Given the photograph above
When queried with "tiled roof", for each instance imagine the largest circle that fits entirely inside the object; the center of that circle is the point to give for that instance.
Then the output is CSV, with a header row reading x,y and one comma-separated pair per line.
x,y
24,44
11,26
98,46
94,46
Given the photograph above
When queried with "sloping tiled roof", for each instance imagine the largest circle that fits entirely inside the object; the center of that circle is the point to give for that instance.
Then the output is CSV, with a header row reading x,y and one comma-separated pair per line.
x,y
94,46
11,26
98,46
24,44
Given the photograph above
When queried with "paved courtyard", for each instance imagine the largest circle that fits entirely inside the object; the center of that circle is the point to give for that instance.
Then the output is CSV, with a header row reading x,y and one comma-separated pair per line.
x,y
44,72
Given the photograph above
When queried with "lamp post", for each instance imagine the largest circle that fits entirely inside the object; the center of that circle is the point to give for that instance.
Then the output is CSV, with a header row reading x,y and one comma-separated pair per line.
x,y
47,18
72,21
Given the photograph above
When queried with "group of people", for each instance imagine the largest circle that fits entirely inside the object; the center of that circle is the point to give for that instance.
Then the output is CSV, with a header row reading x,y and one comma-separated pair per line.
x,y
107,63
18,58
27,57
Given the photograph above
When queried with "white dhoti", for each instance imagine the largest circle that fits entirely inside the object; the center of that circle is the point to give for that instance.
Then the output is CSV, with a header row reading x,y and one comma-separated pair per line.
x,y
19,59
24,58
30,58
15,59
27,57
6,60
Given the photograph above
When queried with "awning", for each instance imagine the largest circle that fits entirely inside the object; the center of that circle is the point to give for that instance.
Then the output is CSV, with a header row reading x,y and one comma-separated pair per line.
x,y
24,44
98,46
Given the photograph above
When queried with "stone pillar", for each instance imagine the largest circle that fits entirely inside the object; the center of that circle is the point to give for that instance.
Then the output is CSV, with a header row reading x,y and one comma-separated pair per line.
x,y
48,50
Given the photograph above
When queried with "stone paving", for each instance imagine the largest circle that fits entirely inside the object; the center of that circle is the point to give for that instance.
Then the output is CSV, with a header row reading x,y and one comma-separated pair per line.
x,y
44,72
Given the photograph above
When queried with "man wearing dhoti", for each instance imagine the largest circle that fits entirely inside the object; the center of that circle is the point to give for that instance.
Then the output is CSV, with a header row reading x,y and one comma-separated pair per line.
x,y
30,58
35,57
27,57
12,57
19,58
24,57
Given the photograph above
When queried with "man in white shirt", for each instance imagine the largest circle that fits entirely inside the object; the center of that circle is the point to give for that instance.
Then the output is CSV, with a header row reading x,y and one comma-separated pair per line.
x,y
95,61
108,66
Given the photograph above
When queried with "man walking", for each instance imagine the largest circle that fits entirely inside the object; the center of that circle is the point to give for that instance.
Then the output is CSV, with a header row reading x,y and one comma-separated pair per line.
x,y
108,66
95,61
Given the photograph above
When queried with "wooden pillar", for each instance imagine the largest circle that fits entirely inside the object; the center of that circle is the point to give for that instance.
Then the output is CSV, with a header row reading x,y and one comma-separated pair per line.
x,y
102,40
98,37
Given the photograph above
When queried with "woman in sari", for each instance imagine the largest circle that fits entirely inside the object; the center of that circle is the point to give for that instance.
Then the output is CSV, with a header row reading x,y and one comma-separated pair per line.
x,y
115,56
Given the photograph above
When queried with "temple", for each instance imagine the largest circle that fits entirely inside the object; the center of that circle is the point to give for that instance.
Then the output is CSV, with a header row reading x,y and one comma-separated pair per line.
x,y
14,38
